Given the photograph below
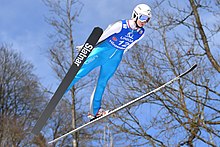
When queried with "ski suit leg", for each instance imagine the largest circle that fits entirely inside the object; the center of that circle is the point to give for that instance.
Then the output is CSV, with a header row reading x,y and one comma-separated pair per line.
x,y
93,61
106,72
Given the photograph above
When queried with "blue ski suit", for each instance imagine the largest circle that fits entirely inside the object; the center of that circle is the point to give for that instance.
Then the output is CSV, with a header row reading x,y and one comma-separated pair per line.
x,y
108,54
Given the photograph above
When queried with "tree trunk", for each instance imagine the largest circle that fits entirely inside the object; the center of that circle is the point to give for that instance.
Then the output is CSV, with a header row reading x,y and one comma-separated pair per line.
x,y
203,36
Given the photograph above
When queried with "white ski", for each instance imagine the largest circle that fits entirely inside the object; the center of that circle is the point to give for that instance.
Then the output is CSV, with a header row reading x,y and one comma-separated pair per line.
x,y
127,104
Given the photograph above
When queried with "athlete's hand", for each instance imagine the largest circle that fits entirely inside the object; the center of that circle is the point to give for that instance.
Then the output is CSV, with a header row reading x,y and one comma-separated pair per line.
x,y
78,48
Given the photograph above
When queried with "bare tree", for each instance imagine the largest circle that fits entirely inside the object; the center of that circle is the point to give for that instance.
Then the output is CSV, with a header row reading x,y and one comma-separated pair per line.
x,y
21,98
195,6
187,112
62,53
60,122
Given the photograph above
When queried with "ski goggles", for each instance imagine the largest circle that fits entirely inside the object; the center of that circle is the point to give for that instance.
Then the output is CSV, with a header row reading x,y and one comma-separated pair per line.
x,y
144,18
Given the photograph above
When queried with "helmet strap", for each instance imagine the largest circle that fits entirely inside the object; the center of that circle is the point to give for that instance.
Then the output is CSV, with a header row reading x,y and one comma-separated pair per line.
x,y
136,22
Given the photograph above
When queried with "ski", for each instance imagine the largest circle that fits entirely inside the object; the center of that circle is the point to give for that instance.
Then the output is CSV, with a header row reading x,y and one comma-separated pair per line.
x,y
75,67
127,104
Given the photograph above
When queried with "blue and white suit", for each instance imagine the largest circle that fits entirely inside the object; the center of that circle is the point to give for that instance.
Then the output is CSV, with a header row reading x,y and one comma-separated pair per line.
x,y
108,54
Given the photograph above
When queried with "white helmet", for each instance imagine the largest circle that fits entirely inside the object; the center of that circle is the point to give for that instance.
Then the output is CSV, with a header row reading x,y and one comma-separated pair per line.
x,y
141,9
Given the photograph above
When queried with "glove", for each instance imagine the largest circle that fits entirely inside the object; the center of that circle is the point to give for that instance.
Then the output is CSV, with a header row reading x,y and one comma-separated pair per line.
x,y
78,48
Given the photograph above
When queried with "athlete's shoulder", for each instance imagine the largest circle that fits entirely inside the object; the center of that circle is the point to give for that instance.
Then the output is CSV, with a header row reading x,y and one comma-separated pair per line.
x,y
116,23
119,23
115,27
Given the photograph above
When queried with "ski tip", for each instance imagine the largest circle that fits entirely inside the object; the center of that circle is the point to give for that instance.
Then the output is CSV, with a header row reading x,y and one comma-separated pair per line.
x,y
189,70
193,67
98,29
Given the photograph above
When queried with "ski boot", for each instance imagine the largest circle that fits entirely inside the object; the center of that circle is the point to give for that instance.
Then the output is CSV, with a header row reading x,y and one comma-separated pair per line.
x,y
100,113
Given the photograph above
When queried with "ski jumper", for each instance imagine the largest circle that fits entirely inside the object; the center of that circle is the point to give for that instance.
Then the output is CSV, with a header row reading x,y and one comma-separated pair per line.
x,y
108,54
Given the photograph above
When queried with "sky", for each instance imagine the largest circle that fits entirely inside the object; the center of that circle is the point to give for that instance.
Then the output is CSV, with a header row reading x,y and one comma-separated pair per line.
x,y
22,24
24,27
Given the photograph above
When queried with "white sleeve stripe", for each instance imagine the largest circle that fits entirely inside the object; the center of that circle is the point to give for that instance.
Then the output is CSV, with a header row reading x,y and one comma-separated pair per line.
x,y
134,43
111,29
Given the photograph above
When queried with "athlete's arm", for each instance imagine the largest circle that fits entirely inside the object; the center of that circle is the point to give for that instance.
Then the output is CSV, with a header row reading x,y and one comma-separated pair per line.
x,y
111,29
133,43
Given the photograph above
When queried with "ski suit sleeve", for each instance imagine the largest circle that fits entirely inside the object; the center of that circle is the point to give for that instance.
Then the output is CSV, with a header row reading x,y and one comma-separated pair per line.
x,y
110,30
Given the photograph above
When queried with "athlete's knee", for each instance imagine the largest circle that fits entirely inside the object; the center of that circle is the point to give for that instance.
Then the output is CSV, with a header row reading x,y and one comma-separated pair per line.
x,y
103,82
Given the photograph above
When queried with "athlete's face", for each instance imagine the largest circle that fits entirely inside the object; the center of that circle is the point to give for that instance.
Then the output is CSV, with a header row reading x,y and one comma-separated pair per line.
x,y
141,23
142,20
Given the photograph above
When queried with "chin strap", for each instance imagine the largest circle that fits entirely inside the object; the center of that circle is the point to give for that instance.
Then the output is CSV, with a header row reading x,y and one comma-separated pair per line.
x,y
137,24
